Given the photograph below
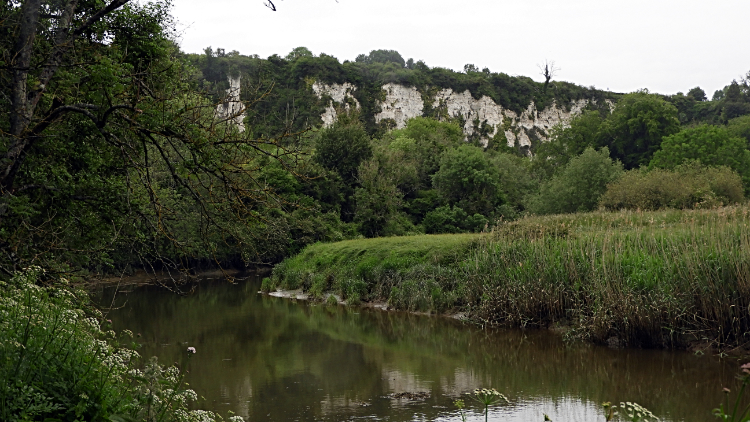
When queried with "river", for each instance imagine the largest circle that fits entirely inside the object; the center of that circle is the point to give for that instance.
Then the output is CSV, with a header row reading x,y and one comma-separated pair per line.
x,y
274,359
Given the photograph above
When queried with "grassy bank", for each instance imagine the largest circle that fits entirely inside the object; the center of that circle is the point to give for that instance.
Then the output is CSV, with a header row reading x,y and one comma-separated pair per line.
x,y
652,279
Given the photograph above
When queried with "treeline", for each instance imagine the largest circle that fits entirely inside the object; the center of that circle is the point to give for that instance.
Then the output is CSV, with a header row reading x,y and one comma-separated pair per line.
x,y
282,86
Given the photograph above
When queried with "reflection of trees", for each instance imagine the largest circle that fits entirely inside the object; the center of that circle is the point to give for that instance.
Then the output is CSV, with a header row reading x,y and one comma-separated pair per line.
x,y
297,360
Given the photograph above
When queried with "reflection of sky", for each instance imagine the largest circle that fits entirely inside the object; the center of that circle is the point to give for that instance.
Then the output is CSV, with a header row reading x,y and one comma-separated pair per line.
x,y
562,409
275,360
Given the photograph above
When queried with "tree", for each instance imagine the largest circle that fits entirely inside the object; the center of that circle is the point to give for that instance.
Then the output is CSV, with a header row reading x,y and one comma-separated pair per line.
x,y
735,101
468,179
470,68
382,56
697,94
740,126
578,187
548,71
636,127
689,185
452,220
378,200
106,152
342,148
430,139
711,145
585,131
299,52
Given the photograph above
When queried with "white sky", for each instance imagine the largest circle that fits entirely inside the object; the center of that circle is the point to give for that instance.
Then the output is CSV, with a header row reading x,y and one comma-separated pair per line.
x,y
665,46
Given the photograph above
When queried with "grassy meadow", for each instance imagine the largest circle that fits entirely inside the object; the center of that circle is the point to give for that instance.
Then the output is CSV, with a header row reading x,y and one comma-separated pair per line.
x,y
646,279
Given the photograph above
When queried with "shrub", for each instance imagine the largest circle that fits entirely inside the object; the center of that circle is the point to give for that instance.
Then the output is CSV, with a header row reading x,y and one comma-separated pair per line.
x,y
691,185
636,127
711,145
452,220
468,178
578,186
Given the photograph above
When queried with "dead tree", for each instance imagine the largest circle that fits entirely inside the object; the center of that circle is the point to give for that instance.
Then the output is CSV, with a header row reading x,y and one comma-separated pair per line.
x,y
548,71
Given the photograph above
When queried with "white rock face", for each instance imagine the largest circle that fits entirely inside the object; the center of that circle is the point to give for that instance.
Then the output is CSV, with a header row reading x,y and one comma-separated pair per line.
x,y
232,109
401,104
339,95
485,111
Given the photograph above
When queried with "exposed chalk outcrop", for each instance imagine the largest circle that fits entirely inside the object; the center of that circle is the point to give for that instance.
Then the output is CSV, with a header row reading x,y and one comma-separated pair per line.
x,y
340,95
517,128
403,103
231,108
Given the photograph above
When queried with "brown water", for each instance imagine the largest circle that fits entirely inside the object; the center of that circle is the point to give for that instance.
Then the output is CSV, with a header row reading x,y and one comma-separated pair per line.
x,y
272,359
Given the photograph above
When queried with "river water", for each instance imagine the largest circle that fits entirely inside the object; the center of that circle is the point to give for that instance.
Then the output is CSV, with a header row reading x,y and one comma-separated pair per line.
x,y
273,359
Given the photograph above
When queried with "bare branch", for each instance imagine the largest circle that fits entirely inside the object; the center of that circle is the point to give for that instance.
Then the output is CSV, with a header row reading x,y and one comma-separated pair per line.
x,y
548,71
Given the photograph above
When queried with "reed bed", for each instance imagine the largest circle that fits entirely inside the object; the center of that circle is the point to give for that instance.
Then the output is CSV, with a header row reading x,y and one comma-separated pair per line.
x,y
645,279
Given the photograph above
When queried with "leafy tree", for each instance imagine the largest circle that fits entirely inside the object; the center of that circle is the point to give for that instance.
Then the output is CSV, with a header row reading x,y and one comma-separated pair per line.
x,y
382,56
422,203
711,145
470,68
298,53
342,148
585,131
578,187
468,179
516,181
399,159
636,127
106,153
378,200
697,94
740,127
735,102
430,139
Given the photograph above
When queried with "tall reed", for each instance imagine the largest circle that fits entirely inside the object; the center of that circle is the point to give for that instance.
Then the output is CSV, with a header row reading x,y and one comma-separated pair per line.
x,y
652,279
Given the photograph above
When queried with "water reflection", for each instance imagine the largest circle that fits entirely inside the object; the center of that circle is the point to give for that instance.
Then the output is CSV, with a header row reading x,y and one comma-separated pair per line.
x,y
275,359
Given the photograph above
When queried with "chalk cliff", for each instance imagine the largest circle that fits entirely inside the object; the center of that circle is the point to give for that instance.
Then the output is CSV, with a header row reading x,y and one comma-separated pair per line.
x,y
340,94
231,108
403,103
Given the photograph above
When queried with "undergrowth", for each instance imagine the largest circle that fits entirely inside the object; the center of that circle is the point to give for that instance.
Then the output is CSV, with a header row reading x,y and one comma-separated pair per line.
x,y
59,362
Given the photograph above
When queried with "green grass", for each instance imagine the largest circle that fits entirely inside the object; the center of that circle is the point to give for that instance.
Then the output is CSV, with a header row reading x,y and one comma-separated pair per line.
x,y
653,279
368,269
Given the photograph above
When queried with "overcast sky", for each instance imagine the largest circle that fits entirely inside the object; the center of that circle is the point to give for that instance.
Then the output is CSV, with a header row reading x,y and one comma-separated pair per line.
x,y
665,46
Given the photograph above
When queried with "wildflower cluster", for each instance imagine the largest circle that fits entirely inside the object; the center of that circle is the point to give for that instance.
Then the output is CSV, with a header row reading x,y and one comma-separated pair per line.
x,y
632,412
488,397
57,363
